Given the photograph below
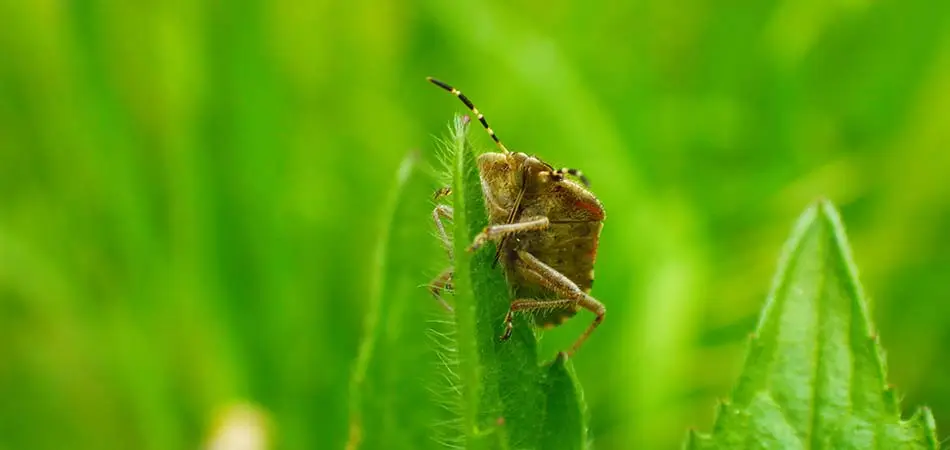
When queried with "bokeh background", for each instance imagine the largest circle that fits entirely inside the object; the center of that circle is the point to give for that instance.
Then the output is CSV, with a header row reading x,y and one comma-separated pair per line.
x,y
190,194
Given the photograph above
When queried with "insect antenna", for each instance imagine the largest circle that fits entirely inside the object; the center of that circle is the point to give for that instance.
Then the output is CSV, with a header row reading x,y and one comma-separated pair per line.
x,y
471,106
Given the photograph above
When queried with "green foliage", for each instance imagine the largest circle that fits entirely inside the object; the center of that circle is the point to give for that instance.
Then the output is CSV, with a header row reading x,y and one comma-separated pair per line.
x,y
815,377
390,393
192,192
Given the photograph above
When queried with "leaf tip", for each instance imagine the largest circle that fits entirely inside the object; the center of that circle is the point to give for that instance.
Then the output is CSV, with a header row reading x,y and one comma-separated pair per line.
x,y
722,408
924,420
461,123
829,212
562,364
823,202
692,435
694,439
927,418
823,210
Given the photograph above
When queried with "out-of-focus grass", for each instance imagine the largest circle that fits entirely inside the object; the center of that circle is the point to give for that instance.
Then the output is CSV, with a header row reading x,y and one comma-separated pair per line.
x,y
190,193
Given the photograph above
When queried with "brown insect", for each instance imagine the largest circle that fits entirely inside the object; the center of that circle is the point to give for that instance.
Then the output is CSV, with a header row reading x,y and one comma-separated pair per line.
x,y
546,227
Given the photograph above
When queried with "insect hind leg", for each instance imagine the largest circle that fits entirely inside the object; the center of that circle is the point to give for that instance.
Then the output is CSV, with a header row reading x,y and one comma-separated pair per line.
x,y
532,305
545,276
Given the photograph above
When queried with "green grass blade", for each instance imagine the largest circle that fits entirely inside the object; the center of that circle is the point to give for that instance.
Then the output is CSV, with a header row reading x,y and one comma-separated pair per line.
x,y
392,406
814,377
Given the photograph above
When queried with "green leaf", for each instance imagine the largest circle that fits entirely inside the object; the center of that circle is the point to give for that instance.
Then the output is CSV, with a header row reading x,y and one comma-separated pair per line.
x,y
509,400
391,403
814,377
564,424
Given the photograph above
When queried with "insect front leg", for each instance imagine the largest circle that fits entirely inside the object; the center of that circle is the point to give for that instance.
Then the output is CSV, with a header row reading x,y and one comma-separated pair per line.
x,y
443,212
443,281
495,232
545,276
442,192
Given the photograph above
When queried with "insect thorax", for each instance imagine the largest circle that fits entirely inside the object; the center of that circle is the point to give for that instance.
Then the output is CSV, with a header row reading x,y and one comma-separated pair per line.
x,y
569,244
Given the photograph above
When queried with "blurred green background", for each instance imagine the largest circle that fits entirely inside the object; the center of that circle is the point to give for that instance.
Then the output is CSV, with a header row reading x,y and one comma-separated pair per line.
x,y
190,194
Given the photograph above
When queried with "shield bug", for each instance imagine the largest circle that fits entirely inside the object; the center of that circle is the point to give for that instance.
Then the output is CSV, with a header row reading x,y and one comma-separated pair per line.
x,y
546,227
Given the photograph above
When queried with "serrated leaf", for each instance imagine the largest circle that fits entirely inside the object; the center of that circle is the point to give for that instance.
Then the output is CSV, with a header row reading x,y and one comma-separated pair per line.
x,y
510,401
814,377
391,406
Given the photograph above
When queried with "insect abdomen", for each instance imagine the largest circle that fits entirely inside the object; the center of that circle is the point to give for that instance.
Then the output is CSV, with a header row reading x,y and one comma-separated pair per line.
x,y
569,248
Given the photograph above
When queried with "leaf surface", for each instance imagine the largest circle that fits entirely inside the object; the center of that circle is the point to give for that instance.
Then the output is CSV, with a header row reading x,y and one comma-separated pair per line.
x,y
814,377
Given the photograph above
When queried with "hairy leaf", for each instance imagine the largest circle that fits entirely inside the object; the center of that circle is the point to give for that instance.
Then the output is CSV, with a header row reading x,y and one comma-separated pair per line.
x,y
510,401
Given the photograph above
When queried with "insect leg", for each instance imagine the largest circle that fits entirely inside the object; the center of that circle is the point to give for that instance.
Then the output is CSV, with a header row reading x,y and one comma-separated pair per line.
x,y
494,232
548,278
442,282
443,212
443,191
533,305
